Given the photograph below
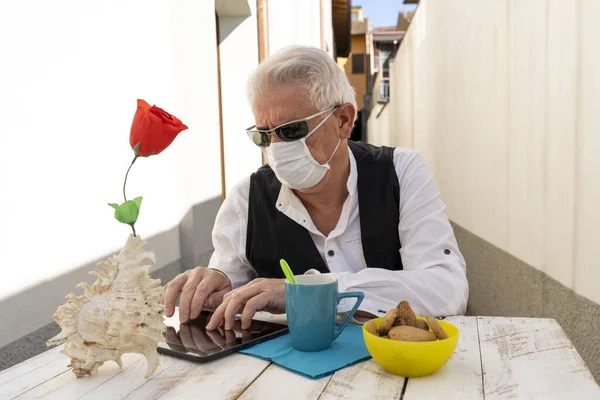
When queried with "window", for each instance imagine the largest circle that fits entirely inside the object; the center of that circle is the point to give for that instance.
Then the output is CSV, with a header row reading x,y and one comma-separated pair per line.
x,y
354,16
358,63
384,90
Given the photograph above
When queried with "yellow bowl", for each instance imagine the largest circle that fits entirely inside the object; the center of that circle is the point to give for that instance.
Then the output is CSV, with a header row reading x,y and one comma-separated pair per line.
x,y
411,359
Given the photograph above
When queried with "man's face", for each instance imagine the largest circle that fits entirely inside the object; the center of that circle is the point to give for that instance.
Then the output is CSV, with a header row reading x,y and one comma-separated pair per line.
x,y
290,103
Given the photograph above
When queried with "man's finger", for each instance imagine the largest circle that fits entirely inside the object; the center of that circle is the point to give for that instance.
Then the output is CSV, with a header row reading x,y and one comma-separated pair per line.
x,y
185,334
217,317
234,306
246,336
187,294
170,335
230,338
173,340
202,340
171,291
216,298
217,337
241,288
257,303
232,292
236,303
204,289
237,326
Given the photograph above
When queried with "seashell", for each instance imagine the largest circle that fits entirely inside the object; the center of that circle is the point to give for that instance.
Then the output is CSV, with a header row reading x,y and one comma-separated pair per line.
x,y
121,312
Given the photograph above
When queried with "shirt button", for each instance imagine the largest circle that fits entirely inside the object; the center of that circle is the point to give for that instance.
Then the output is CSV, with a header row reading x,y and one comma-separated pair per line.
x,y
446,251
331,253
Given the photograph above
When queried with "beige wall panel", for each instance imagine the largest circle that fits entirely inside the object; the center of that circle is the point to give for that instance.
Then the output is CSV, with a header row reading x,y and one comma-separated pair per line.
x,y
379,126
527,129
587,255
561,94
402,96
465,130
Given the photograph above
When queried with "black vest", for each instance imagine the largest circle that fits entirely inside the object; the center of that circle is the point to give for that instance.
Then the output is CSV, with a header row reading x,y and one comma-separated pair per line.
x,y
271,235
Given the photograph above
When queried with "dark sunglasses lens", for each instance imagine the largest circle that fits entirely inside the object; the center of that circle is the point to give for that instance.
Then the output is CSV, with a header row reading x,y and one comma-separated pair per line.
x,y
293,131
259,138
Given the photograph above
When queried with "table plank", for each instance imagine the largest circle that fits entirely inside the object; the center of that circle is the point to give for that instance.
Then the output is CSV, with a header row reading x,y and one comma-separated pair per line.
x,y
278,383
26,376
223,378
31,364
532,358
366,380
68,386
128,380
461,377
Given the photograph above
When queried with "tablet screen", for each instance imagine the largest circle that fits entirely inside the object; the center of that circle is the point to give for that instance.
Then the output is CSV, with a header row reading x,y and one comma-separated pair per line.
x,y
192,341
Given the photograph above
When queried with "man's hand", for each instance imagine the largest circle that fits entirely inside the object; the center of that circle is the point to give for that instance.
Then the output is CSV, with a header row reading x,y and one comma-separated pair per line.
x,y
197,286
260,294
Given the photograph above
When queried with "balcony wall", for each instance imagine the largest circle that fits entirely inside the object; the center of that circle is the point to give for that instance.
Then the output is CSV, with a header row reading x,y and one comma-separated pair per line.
x,y
501,98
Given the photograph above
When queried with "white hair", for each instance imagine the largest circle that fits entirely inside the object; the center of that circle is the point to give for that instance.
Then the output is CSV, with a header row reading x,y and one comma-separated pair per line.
x,y
324,81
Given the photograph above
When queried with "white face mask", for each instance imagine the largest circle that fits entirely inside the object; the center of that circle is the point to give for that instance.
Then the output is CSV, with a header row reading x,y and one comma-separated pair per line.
x,y
293,163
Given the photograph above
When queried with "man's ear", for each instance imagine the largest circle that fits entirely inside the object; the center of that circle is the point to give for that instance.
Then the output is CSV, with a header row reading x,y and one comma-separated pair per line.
x,y
346,115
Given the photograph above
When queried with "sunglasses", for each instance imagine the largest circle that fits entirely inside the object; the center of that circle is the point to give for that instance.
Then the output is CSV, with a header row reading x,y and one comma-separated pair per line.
x,y
287,132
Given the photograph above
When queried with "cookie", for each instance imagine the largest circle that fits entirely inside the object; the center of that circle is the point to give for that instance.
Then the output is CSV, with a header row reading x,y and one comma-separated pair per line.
x,y
436,328
406,312
388,321
411,334
419,323
372,328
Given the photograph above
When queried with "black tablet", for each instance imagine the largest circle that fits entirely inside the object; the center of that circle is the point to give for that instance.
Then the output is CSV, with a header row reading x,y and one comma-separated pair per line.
x,y
192,341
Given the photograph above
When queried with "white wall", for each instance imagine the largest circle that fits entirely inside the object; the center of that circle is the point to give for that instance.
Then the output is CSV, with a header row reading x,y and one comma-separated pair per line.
x,y
327,15
239,56
70,75
294,22
501,97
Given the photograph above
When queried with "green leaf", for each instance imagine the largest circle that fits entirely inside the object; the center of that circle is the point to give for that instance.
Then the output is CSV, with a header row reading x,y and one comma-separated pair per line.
x,y
138,201
114,205
136,149
127,212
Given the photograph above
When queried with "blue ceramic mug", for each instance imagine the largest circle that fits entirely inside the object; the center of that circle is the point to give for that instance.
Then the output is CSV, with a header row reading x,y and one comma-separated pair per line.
x,y
311,307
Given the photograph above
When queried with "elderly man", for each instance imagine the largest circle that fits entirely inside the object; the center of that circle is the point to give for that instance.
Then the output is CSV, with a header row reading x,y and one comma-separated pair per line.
x,y
370,216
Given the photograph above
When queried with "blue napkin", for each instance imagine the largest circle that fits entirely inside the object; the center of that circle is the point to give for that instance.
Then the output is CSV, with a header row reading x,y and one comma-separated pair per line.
x,y
348,349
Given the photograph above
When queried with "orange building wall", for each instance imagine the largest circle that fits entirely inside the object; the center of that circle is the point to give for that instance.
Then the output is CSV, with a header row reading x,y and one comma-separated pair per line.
x,y
358,81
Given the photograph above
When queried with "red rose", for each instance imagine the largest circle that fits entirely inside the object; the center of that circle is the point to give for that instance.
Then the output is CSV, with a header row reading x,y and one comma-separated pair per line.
x,y
153,129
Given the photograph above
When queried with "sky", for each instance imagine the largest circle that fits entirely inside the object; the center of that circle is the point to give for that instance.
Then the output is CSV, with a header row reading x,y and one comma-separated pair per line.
x,y
382,12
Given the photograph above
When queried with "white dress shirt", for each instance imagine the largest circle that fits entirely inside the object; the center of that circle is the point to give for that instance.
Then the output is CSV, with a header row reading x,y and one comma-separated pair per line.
x,y
433,279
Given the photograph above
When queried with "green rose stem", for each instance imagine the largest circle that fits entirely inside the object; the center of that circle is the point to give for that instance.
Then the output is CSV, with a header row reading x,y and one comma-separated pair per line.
x,y
128,212
125,183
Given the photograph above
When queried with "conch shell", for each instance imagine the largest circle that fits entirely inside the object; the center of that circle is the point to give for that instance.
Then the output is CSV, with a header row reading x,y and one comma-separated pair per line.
x,y
120,313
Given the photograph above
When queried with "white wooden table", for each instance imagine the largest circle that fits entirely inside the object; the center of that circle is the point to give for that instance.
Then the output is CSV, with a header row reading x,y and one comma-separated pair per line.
x,y
496,358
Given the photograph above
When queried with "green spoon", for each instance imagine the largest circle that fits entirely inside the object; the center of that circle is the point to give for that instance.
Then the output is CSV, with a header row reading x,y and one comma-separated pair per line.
x,y
287,271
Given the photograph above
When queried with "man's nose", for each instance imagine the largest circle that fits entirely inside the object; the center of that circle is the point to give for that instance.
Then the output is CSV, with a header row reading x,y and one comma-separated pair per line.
x,y
274,137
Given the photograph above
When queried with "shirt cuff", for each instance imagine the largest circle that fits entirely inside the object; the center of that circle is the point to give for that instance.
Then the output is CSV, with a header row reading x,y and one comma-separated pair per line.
x,y
237,279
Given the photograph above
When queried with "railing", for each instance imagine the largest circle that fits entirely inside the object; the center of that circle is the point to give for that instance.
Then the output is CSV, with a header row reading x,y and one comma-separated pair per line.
x,y
384,90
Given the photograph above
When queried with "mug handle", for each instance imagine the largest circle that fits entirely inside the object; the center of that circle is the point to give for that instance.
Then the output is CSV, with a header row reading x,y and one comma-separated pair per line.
x,y
340,327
